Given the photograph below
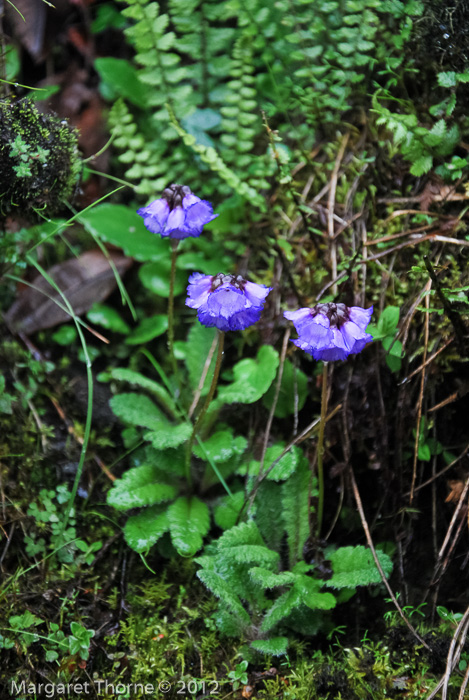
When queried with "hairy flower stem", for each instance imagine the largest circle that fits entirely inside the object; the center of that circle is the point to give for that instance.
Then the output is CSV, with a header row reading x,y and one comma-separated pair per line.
x,y
174,245
320,453
200,417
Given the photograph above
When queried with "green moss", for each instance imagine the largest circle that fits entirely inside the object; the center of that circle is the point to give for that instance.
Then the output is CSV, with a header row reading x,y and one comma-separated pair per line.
x,y
39,159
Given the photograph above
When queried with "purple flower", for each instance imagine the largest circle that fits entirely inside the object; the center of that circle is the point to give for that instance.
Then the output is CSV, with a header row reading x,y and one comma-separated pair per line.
x,y
331,331
228,302
178,214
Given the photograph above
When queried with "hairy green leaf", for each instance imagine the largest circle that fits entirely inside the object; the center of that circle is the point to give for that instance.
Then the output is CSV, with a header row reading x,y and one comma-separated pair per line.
x,y
276,646
222,590
139,487
293,391
252,378
227,511
354,566
143,530
189,522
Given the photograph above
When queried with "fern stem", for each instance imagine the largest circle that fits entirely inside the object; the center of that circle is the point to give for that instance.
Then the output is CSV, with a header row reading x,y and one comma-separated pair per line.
x,y
174,245
320,451
200,417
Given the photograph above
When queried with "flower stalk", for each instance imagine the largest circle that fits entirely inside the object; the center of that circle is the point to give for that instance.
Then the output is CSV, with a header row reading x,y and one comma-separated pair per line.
x,y
203,411
320,450
174,246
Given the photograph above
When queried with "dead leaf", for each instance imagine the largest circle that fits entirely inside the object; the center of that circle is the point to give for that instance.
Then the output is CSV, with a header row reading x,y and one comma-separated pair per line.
x,y
83,280
457,487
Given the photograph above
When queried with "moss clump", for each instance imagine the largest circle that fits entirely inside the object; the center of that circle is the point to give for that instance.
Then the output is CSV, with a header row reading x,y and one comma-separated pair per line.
x,y
39,159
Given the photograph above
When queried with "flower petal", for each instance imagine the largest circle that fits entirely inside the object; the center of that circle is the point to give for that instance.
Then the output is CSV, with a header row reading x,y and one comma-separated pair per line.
x,y
189,200
197,215
198,290
360,316
155,215
256,293
175,222
226,301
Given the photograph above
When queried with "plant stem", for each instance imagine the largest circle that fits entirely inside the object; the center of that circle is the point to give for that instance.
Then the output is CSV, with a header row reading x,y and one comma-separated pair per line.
x,y
174,245
320,452
213,386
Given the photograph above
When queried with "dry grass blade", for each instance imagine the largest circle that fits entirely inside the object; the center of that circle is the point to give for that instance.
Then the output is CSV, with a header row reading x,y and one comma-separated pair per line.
x,y
361,512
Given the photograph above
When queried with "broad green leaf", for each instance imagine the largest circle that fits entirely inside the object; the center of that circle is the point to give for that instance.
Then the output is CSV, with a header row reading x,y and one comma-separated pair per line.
x,y
139,487
447,79
141,531
354,566
252,378
199,342
282,470
394,353
155,277
123,78
388,321
137,379
65,335
189,522
138,409
169,435
195,260
148,329
221,446
108,318
276,646
293,391
123,227
227,511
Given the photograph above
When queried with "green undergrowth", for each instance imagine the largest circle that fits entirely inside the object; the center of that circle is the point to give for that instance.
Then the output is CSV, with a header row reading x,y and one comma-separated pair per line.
x,y
165,634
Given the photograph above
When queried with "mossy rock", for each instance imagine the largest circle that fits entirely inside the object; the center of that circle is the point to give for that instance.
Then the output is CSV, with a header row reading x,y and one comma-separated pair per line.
x,y
39,160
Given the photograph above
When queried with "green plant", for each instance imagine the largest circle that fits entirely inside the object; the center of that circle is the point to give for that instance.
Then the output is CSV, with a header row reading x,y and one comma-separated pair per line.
x,y
56,643
239,676
240,570
159,482
48,513
304,63
385,331
423,146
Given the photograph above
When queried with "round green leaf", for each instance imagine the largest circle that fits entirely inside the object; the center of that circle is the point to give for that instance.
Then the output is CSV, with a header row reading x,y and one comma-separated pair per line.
x,y
138,487
148,329
123,227
189,522
155,277
293,391
141,531
108,318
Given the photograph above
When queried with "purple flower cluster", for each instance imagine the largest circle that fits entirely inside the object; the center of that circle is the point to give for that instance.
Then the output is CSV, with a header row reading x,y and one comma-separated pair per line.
x,y
178,214
228,302
331,331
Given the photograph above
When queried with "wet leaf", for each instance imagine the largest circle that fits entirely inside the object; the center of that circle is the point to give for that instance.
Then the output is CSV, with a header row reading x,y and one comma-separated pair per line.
x,y
84,281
